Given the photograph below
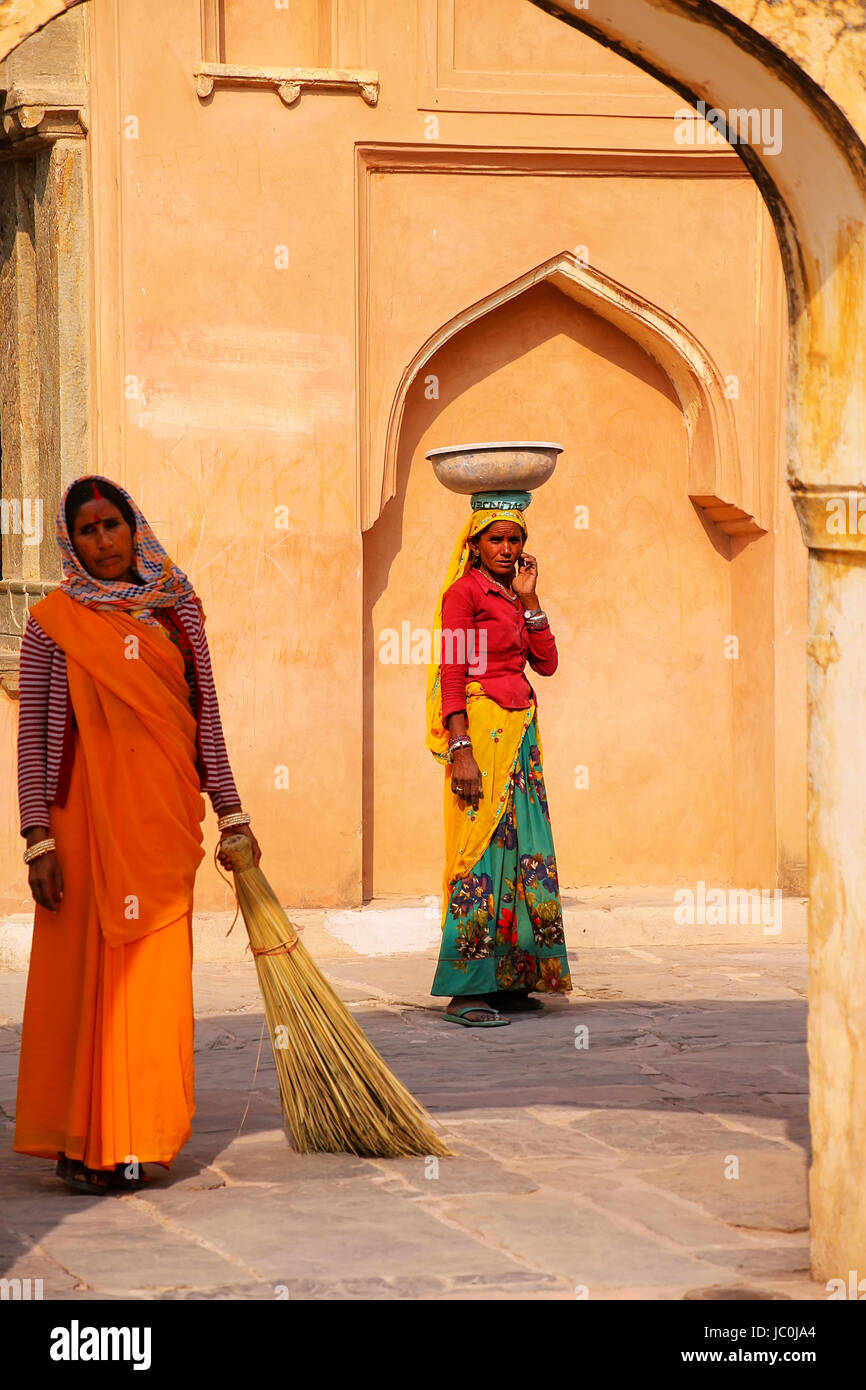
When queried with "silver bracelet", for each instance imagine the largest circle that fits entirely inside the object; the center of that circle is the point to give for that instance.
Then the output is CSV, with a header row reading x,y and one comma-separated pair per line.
x,y
459,742
232,819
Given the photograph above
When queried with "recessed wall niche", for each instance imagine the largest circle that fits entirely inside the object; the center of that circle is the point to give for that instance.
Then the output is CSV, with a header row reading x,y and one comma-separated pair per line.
x,y
284,33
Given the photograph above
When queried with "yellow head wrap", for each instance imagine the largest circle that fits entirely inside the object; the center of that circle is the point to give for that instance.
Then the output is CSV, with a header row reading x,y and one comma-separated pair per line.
x,y
487,508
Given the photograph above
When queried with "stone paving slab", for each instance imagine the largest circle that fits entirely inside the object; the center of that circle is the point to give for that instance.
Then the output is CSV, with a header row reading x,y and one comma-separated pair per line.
x,y
598,1167
587,1244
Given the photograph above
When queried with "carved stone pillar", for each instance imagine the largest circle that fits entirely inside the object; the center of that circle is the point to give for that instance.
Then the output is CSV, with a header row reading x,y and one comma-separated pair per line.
x,y
45,255
830,518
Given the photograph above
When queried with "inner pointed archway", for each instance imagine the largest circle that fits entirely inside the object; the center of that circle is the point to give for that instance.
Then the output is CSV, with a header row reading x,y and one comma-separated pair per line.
x,y
715,476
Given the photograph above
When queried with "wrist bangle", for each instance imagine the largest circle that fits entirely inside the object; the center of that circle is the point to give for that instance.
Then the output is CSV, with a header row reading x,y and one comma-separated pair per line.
x,y
41,847
457,743
232,819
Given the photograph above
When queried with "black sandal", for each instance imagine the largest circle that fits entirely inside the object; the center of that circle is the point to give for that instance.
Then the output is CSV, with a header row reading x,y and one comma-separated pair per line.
x,y
93,1182
120,1182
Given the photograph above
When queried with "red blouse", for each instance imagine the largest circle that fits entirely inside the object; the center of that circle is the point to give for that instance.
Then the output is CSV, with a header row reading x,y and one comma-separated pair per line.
x,y
485,638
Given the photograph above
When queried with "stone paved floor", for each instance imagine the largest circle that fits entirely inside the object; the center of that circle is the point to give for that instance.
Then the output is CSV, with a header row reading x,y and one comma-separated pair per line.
x,y
605,1171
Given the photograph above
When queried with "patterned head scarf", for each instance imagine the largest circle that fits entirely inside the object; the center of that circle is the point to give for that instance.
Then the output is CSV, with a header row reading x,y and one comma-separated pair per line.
x,y
164,584
487,507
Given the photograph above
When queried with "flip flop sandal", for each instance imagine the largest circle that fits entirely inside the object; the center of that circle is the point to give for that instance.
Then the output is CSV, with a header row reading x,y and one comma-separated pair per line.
x,y
458,1017
93,1182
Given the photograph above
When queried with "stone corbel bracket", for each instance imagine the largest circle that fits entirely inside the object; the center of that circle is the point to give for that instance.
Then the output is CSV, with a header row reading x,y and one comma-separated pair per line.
x,y
832,516
9,681
728,517
287,82
33,119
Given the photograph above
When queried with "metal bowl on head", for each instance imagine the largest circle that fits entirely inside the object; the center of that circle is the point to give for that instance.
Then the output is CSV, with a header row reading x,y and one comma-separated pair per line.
x,y
512,465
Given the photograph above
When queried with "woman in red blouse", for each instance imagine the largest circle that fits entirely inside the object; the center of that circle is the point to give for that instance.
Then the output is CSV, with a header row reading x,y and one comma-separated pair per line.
x,y
502,931
119,734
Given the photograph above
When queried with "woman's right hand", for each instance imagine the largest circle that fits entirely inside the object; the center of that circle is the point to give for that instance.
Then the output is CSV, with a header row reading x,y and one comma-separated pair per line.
x,y
466,777
45,875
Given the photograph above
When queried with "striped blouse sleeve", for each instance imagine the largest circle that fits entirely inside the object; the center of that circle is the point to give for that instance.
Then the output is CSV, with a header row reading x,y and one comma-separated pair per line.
x,y
37,655
219,782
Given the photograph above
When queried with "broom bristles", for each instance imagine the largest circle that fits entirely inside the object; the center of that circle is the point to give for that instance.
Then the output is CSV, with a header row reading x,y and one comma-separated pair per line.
x,y
337,1093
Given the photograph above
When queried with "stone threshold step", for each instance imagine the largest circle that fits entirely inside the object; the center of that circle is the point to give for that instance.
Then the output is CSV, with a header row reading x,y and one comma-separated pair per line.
x,y
594,917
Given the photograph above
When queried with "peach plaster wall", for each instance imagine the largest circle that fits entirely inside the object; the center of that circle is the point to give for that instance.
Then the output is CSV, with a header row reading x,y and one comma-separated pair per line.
x,y
227,388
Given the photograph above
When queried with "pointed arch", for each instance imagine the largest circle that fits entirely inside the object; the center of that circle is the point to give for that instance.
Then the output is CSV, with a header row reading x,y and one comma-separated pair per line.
x,y
715,475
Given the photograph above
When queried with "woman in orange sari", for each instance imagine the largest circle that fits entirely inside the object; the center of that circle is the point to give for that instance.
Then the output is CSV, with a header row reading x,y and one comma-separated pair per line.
x,y
119,733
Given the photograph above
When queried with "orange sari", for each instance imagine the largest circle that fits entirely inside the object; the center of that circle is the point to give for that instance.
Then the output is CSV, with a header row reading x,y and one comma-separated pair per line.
x,y
106,1071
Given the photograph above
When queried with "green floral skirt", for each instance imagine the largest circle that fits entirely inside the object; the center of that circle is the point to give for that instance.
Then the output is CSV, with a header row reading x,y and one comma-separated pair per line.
x,y
503,927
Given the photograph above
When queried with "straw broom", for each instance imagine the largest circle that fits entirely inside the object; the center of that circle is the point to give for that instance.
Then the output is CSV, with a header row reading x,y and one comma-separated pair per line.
x,y
337,1094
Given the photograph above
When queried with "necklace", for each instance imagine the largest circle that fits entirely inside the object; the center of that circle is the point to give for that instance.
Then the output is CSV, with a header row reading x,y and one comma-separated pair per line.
x,y
512,597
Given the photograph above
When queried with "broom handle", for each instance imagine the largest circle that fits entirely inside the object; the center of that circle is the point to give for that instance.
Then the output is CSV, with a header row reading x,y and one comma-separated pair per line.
x,y
239,850
240,854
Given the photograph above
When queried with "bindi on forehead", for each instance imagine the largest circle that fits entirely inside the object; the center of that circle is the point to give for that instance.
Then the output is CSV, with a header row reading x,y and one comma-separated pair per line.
x,y
92,514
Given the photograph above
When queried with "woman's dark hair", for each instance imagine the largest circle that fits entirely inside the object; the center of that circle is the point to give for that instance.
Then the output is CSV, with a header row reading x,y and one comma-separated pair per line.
x,y
90,490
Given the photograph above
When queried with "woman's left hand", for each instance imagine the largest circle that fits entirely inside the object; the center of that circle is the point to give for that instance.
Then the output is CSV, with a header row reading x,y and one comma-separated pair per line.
x,y
526,578
239,830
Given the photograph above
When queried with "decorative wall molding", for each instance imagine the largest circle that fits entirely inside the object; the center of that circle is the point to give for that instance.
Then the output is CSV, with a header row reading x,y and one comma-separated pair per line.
x,y
444,84
343,47
288,83
432,157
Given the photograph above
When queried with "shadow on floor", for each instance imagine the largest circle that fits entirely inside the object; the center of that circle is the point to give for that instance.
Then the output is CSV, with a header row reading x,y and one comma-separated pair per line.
x,y
744,1059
